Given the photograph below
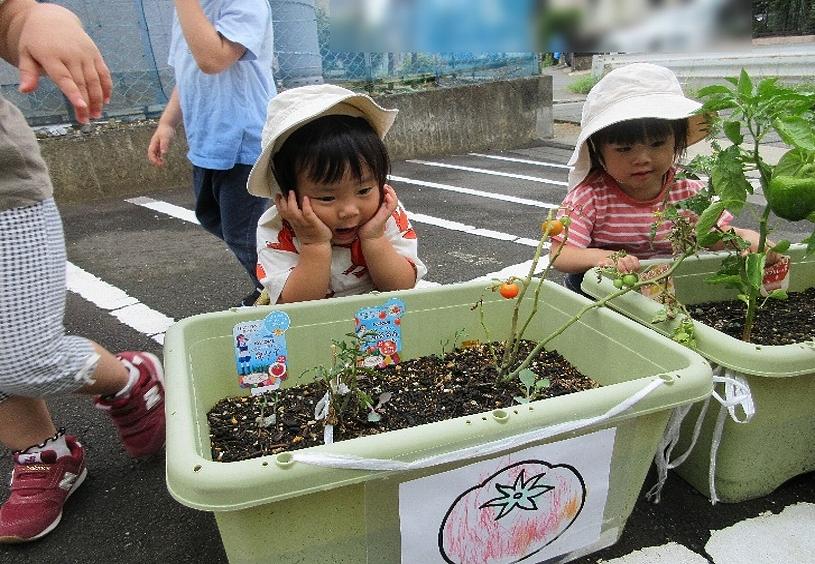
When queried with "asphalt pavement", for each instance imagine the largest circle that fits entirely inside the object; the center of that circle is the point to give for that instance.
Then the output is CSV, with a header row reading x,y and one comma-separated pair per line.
x,y
168,268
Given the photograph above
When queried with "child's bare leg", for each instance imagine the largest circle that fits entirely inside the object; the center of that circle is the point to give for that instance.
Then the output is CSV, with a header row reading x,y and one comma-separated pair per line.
x,y
24,422
109,377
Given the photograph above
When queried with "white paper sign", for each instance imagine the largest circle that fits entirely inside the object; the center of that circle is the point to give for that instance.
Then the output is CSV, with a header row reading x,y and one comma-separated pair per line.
x,y
529,505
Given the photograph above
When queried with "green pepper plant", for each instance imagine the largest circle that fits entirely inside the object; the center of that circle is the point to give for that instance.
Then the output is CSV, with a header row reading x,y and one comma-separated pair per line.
x,y
746,112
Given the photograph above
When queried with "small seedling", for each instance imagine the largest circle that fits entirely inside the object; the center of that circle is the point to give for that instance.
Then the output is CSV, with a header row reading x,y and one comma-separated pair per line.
x,y
533,385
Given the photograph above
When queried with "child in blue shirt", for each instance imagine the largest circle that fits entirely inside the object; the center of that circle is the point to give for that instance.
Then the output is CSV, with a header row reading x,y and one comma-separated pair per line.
x,y
221,51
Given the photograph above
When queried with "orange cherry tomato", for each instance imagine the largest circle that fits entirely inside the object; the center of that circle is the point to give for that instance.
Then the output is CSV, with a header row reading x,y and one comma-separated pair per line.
x,y
509,290
555,227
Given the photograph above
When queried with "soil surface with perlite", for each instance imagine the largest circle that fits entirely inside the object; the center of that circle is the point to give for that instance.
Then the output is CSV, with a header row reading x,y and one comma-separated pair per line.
x,y
423,390
778,322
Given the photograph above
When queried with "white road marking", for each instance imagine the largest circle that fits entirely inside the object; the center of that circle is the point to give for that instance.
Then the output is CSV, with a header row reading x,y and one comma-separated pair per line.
x,y
491,172
522,161
125,308
165,208
187,215
472,192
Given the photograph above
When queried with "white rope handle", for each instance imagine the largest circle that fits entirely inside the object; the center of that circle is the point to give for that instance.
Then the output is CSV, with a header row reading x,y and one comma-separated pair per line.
x,y
486,449
736,394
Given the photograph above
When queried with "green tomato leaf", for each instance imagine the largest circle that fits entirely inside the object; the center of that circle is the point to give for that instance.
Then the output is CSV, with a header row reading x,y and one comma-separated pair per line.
x,y
713,89
661,315
527,377
728,178
755,269
810,243
374,417
745,86
790,163
781,247
733,131
543,383
743,298
796,131
709,218
778,295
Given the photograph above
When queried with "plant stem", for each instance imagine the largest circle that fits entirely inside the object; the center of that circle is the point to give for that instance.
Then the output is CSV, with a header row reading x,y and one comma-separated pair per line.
x,y
599,303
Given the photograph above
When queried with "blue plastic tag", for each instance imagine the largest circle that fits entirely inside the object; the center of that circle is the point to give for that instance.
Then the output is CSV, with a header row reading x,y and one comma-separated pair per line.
x,y
380,329
261,353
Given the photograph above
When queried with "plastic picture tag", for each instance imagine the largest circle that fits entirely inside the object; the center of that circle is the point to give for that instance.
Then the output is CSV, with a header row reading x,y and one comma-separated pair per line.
x,y
380,329
776,276
261,353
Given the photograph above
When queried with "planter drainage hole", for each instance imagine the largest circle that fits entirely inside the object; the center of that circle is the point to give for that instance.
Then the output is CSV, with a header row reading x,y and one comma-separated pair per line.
x,y
500,415
515,411
196,468
284,459
265,464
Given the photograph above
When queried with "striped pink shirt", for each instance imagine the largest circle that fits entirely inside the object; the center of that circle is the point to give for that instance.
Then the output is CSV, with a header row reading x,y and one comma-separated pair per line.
x,y
603,216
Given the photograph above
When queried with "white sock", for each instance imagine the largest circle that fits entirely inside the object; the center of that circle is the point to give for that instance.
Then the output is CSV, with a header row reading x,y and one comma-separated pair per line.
x,y
134,377
56,443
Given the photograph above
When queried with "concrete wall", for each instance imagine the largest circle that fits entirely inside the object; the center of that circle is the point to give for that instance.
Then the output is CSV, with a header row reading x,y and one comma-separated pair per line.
x,y
110,160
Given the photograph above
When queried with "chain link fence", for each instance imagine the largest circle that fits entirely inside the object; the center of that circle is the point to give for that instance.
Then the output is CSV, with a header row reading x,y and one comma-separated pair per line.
x,y
134,38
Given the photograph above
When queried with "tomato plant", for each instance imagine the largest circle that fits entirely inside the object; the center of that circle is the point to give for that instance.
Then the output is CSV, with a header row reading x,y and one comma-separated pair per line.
x,y
509,290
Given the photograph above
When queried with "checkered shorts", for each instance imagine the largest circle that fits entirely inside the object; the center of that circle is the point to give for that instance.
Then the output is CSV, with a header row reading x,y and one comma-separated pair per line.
x,y
36,357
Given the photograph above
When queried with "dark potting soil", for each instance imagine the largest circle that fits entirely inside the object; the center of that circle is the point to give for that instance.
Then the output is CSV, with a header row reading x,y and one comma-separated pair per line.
x,y
778,322
423,390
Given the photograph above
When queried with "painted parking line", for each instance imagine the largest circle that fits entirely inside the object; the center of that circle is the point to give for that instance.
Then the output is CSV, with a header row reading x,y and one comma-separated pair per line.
x,y
117,303
187,215
491,172
473,192
522,161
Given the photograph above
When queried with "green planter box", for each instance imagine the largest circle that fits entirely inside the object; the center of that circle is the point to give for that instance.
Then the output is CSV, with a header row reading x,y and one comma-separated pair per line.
x,y
777,444
269,510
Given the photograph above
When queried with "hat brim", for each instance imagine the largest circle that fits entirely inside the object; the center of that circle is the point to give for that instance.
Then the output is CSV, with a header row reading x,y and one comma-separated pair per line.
x,y
660,106
262,182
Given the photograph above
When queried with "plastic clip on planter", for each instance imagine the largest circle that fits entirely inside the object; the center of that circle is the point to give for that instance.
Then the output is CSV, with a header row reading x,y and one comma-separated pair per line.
x,y
353,515
754,459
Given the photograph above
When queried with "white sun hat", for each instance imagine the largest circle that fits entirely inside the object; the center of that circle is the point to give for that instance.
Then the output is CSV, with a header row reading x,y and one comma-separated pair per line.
x,y
635,91
291,109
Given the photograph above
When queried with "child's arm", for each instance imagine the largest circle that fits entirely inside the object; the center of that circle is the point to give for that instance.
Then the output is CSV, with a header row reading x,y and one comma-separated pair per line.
x,y
165,131
48,39
388,269
213,52
311,278
573,259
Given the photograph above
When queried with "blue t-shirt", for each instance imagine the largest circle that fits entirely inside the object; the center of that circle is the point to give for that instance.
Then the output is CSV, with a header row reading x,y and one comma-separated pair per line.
x,y
224,113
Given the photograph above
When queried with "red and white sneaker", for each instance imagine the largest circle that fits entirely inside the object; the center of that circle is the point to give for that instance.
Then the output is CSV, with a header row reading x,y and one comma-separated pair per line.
x,y
139,417
40,484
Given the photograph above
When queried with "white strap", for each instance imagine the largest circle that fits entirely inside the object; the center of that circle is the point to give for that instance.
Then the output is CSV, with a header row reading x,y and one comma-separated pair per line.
x,y
486,449
736,393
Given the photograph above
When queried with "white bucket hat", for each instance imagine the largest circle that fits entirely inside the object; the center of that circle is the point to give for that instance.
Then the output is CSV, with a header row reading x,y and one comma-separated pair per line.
x,y
296,107
638,90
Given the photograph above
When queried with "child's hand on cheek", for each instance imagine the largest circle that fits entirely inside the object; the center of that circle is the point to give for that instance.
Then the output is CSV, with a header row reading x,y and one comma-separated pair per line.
x,y
308,228
374,228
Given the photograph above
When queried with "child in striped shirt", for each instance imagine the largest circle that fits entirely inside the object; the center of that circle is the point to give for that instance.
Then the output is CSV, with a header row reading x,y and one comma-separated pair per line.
x,y
635,126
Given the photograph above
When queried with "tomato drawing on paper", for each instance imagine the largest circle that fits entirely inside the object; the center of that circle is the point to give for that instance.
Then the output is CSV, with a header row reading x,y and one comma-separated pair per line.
x,y
513,514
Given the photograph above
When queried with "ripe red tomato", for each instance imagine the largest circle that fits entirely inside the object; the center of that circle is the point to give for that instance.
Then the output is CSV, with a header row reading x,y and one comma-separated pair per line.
x,y
509,290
